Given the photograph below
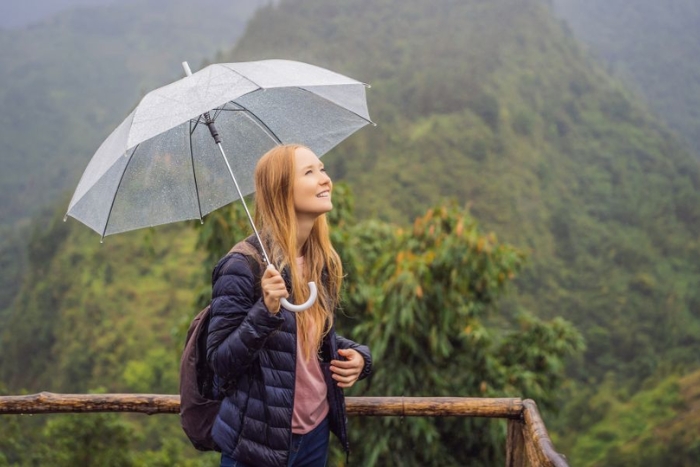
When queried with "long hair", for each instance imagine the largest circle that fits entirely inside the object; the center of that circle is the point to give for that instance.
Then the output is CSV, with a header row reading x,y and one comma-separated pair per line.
x,y
276,218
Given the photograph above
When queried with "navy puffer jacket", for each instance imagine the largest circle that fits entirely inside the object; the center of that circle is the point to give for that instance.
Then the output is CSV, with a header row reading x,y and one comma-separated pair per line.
x,y
254,351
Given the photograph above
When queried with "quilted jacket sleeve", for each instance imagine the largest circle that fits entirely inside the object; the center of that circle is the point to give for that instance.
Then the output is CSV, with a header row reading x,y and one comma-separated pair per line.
x,y
239,324
344,343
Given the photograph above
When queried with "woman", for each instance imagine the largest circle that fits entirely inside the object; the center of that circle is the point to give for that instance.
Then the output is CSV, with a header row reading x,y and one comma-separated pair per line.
x,y
284,371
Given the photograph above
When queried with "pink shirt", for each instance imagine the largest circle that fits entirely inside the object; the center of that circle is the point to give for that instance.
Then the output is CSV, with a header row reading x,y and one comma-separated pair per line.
x,y
310,391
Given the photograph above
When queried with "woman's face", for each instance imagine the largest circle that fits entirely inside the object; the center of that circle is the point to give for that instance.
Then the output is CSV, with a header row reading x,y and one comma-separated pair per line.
x,y
312,186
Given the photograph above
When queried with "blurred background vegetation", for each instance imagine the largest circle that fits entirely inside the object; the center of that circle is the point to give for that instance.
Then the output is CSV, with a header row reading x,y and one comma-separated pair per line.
x,y
523,221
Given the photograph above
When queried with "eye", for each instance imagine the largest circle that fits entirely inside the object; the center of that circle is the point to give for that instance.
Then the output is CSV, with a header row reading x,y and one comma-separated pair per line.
x,y
308,172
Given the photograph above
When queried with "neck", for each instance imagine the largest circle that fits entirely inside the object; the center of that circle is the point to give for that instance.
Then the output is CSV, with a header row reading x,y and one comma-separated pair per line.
x,y
304,226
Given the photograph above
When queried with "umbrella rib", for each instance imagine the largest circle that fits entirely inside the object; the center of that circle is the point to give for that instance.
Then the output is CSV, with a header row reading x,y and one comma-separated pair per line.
x,y
337,105
109,214
243,76
194,174
258,122
196,124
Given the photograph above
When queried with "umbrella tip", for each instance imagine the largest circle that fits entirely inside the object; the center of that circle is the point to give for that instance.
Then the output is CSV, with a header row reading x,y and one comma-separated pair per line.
x,y
188,72
65,218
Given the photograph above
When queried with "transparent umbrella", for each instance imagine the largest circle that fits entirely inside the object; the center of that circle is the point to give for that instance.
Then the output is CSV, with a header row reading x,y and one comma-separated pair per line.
x,y
191,147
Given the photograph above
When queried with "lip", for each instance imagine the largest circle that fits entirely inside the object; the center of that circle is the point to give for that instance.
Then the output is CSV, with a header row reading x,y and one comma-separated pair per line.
x,y
324,194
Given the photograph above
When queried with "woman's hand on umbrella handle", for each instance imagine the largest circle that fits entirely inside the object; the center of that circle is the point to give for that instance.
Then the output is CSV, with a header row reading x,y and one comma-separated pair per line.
x,y
307,304
273,288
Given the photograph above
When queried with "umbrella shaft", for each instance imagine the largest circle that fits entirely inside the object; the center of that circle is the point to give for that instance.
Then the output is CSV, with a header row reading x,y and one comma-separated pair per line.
x,y
245,206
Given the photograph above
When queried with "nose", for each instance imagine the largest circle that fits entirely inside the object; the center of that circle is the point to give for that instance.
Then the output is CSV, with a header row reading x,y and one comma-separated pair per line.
x,y
325,178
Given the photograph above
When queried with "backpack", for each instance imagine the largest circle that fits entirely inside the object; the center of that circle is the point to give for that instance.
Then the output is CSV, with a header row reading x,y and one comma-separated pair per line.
x,y
198,404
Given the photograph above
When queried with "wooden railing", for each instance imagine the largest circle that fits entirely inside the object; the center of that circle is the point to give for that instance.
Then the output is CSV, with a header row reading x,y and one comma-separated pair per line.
x,y
527,444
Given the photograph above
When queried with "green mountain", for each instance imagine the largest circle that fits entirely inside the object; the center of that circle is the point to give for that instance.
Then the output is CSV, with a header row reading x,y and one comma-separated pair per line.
x,y
496,105
653,46
656,426
491,103
68,81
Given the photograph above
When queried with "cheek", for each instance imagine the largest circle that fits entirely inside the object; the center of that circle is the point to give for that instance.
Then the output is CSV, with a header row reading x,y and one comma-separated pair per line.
x,y
303,190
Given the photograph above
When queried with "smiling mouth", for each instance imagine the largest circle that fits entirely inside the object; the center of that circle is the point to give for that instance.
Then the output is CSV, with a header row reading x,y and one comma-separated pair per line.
x,y
324,194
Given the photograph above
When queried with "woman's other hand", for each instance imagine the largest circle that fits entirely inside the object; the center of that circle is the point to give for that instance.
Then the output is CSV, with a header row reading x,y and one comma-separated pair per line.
x,y
346,372
273,288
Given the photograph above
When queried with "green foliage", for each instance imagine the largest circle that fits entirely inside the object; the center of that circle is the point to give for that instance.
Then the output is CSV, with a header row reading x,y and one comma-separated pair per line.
x,y
71,331
650,45
654,427
489,103
86,439
496,105
69,81
424,296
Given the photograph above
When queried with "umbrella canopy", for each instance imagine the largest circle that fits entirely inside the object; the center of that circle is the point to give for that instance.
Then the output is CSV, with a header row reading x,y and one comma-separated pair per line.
x,y
162,165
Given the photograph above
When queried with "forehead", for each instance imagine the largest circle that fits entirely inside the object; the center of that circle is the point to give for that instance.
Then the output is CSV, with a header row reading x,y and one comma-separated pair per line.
x,y
304,157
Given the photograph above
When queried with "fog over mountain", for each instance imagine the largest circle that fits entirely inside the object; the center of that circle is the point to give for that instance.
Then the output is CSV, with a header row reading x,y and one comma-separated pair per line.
x,y
653,46
14,14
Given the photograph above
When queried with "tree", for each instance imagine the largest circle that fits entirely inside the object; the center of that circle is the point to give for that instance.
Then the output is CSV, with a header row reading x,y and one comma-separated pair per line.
x,y
86,439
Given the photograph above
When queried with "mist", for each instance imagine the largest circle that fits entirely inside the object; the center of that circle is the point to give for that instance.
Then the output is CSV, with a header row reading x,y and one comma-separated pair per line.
x,y
19,14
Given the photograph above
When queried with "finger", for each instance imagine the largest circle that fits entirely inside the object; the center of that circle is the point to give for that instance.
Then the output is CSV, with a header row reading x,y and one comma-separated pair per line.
x,y
344,379
277,293
273,283
345,371
344,382
271,271
350,354
277,280
346,363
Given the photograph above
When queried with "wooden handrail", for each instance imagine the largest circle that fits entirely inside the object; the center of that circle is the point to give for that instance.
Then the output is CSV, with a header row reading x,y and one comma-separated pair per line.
x,y
47,402
528,442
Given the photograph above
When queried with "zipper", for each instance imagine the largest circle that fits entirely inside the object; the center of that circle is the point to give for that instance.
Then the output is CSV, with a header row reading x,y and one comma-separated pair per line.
x,y
340,401
294,386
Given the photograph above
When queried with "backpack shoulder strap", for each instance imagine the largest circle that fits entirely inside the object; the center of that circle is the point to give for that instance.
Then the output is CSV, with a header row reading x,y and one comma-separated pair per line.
x,y
250,249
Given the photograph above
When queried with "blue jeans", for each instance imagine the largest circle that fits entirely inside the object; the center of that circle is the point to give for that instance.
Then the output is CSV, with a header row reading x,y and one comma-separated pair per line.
x,y
308,450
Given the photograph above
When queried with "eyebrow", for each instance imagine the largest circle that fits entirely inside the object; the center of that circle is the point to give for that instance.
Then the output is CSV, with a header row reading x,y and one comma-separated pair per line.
x,y
311,166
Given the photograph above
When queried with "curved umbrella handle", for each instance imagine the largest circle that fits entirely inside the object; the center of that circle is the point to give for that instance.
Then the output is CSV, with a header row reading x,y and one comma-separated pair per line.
x,y
305,305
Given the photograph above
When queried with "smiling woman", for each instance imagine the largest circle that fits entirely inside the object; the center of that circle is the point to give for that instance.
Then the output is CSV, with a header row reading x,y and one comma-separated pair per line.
x,y
312,191
288,369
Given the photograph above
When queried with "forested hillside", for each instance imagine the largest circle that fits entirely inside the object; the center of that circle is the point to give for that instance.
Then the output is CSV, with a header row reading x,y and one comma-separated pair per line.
x,y
68,81
654,46
491,104
496,106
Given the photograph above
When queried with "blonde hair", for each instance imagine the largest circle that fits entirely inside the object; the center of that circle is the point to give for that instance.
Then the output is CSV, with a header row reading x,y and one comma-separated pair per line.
x,y
275,216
